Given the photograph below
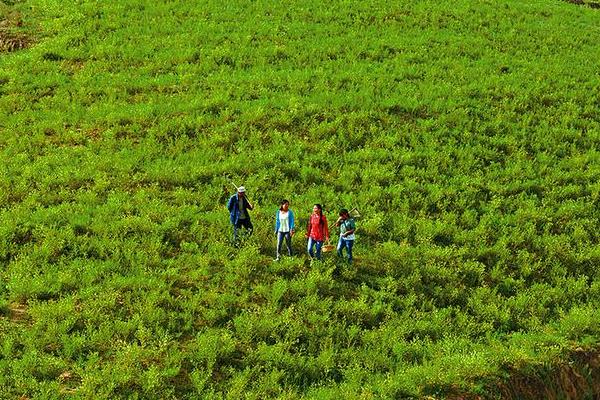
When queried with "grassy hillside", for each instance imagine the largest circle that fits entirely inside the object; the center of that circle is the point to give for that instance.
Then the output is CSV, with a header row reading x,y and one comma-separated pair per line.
x,y
465,132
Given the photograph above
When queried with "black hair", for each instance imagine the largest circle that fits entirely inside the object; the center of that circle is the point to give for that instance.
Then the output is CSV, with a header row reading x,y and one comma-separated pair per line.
x,y
344,211
282,203
320,207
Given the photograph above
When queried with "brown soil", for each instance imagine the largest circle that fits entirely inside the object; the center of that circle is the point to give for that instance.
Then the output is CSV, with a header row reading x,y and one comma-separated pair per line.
x,y
18,312
589,3
11,37
577,379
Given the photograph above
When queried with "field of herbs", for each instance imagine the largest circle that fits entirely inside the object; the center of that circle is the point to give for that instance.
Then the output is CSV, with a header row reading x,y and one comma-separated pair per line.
x,y
465,132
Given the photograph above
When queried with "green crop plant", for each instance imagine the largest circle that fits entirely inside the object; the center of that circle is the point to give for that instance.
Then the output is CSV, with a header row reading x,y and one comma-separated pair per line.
x,y
464,132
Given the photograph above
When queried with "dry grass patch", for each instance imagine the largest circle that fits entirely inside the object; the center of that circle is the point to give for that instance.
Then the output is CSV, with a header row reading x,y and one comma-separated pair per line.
x,y
589,3
11,38
18,312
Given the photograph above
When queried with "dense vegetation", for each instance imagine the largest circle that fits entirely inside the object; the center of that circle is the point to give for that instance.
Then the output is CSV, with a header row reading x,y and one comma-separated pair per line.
x,y
465,132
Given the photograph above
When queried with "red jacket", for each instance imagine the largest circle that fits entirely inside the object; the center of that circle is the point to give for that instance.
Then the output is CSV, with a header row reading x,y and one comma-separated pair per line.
x,y
316,230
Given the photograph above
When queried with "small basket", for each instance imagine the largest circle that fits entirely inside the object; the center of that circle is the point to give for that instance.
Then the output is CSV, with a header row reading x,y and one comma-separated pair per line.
x,y
327,247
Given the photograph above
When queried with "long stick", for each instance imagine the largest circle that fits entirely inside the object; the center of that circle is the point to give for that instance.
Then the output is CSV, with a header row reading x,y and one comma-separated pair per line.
x,y
237,188
234,185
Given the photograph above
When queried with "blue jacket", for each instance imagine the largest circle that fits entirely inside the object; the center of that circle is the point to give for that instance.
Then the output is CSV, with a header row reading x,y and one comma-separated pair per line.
x,y
234,209
291,217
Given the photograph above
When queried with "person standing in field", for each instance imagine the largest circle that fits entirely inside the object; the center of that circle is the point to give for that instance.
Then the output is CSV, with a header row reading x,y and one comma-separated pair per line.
x,y
347,227
238,206
284,227
317,231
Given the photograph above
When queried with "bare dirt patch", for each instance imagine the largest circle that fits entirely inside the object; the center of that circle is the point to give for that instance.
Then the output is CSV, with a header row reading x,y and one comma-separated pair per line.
x,y
17,313
12,36
588,3
575,380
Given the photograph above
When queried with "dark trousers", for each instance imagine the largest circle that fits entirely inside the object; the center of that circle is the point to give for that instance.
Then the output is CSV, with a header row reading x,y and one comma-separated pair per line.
x,y
343,243
246,223
288,242
312,243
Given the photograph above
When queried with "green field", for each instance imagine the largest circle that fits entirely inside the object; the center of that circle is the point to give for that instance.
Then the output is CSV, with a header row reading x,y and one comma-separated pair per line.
x,y
467,133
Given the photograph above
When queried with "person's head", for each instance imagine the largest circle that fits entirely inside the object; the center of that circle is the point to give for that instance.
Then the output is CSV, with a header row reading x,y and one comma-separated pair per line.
x,y
318,209
241,191
285,205
344,214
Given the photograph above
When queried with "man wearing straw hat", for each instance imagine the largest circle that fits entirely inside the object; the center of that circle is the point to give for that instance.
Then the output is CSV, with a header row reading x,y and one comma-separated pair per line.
x,y
238,207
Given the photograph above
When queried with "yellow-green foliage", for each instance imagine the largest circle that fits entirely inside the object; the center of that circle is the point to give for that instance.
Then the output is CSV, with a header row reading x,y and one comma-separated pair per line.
x,y
465,132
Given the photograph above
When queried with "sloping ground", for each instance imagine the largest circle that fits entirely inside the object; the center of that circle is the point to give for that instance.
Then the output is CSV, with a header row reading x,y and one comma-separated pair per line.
x,y
12,37
465,133
589,3
578,379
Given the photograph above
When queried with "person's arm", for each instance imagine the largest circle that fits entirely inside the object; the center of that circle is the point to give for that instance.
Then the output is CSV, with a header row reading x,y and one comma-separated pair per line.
x,y
351,230
277,221
248,205
308,227
291,214
230,203
325,228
